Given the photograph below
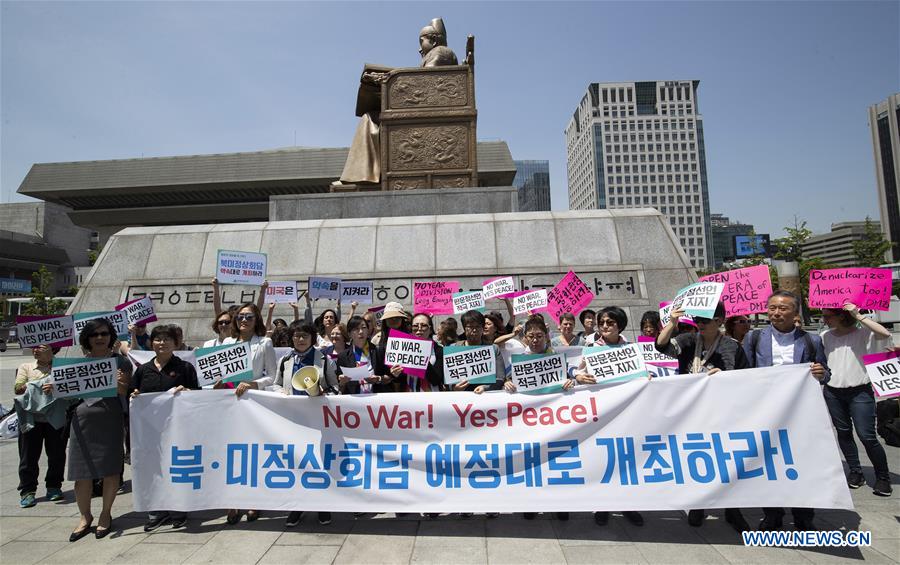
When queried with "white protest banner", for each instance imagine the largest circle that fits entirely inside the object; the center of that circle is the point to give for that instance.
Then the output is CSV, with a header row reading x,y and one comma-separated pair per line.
x,y
500,287
700,299
356,292
656,360
118,319
227,363
138,357
465,301
55,331
138,311
476,364
324,287
884,372
281,292
748,438
357,373
615,363
84,377
240,267
410,352
529,301
539,374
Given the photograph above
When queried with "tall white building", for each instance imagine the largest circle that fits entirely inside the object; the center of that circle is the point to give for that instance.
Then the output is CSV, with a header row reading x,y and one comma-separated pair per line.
x,y
640,144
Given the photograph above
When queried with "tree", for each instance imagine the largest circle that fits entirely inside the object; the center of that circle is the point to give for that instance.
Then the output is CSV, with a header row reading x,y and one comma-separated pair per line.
x,y
790,247
41,289
871,248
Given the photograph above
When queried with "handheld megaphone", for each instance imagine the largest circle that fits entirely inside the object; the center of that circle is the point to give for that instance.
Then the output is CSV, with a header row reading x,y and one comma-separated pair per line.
x,y
306,379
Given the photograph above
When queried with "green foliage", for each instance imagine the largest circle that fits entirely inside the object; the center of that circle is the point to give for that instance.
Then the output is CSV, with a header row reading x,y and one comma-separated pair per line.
x,y
93,254
790,247
41,289
871,248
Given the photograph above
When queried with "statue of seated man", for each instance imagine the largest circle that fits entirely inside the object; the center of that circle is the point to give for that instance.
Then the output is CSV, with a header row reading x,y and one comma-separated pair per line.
x,y
363,163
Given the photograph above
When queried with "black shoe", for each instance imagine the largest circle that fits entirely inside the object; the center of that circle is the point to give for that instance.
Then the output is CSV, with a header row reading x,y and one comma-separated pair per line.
x,y
156,521
101,533
601,518
253,515
293,519
695,518
324,518
529,515
804,525
734,517
78,534
882,488
233,517
634,517
179,522
769,524
855,480
562,516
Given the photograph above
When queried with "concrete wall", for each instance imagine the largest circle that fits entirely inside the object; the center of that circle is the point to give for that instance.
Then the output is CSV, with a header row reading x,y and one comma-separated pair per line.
x,y
630,258
379,204
51,223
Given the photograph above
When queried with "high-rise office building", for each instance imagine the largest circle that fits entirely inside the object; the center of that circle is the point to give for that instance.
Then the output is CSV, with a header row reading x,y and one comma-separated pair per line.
x,y
836,247
640,144
883,121
533,182
723,232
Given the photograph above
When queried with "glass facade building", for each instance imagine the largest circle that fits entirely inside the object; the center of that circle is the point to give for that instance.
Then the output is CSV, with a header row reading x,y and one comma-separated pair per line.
x,y
533,183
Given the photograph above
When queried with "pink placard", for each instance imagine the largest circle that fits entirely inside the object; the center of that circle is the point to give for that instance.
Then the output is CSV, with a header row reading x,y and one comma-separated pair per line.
x,y
434,297
868,289
414,360
569,295
746,290
654,357
884,373
682,320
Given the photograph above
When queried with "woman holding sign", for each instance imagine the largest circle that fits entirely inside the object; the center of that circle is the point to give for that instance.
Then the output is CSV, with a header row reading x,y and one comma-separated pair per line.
x,y
96,448
361,353
849,395
706,351
473,325
395,318
422,327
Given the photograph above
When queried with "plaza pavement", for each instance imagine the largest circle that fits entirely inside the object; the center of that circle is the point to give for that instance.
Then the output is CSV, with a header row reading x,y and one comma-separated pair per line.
x,y
40,534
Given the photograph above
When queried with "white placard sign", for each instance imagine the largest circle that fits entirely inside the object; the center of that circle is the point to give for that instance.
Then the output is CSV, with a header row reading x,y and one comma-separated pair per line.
x,y
240,267
539,373
615,363
281,292
227,363
358,373
476,364
700,299
884,372
118,319
528,301
84,377
138,311
355,291
328,288
33,331
465,301
498,288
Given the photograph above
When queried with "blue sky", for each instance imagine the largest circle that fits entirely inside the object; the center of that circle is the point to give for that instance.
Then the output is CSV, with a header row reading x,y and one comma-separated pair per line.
x,y
784,86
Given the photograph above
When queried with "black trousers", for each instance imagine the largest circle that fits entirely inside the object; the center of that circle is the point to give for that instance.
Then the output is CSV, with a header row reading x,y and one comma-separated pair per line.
x,y
801,513
53,441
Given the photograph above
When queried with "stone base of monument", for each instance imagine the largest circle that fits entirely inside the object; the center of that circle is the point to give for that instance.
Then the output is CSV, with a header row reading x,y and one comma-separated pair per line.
x,y
393,203
629,258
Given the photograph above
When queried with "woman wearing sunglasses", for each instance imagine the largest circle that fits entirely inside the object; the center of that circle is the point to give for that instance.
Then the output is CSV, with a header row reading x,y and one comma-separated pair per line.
x,y
96,444
222,328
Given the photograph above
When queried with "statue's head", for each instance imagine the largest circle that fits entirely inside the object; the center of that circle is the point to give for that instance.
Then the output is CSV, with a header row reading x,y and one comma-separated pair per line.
x,y
432,35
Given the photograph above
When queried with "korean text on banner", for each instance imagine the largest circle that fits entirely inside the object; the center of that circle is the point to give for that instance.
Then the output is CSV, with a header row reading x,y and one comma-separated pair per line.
x,y
408,351
539,374
117,318
868,289
700,299
356,292
55,331
746,290
529,301
615,363
658,364
138,311
434,297
748,438
569,295
84,377
476,364
328,288
500,287
884,372
240,267
281,292
465,301
227,363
